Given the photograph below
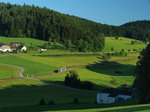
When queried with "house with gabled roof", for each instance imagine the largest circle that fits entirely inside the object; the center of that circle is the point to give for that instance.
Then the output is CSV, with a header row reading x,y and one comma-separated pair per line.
x,y
7,48
108,96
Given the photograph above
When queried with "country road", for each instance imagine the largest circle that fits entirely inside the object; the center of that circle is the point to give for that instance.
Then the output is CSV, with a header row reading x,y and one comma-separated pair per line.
x,y
49,83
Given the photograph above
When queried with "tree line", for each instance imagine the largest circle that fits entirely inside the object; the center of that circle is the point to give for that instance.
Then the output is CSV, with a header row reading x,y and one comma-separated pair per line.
x,y
73,32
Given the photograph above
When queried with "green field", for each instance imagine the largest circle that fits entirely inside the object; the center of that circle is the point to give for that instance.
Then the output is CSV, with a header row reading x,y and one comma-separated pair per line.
x,y
8,72
102,74
25,41
121,43
31,68
23,92
27,93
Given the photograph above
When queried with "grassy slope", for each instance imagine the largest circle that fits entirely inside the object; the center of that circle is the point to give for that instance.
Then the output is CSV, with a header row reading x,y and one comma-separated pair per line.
x,y
25,41
8,72
101,75
30,66
28,92
121,43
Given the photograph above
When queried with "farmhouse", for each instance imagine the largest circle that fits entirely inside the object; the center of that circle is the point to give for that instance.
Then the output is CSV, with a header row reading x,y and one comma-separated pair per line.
x,y
7,48
16,44
22,48
108,96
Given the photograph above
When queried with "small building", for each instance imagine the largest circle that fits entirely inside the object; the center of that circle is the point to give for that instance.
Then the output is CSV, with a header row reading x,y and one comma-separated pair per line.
x,y
16,44
7,48
125,85
40,49
108,96
22,48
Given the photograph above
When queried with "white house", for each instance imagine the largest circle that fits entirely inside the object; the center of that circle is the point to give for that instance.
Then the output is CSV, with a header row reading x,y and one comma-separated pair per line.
x,y
108,96
23,48
103,98
7,48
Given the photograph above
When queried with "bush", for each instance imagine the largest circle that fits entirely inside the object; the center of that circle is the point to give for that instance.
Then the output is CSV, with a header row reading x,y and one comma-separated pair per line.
x,y
116,38
72,80
86,85
51,102
75,101
42,102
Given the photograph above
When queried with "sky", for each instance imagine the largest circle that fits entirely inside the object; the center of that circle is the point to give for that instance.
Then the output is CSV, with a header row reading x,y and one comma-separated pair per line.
x,y
112,12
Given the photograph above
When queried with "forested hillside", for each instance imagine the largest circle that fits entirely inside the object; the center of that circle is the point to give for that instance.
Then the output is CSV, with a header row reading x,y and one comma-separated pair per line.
x,y
73,32
138,30
45,24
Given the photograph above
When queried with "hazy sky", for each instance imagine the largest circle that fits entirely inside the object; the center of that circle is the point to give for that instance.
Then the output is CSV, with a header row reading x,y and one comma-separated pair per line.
x,y
114,12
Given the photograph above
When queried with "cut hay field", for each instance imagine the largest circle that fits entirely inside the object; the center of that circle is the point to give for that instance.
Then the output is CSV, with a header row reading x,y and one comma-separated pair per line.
x,y
121,43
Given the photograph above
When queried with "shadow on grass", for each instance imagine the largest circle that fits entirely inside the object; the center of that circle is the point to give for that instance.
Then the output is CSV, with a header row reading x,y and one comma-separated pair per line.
x,y
25,98
22,95
112,68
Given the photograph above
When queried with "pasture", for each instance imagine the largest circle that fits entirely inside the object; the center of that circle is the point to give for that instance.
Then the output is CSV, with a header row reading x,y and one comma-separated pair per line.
x,y
121,43
102,74
27,93
24,92
8,72
25,41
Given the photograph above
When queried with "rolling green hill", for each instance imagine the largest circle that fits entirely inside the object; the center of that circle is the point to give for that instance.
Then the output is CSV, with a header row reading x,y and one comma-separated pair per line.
x,y
26,93
8,72
121,43
25,41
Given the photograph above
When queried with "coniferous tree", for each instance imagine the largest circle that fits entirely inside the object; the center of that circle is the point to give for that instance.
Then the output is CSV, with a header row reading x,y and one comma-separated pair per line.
x,y
142,81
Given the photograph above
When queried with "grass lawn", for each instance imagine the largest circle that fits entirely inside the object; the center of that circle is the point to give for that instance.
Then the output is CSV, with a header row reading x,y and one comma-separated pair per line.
x,y
121,43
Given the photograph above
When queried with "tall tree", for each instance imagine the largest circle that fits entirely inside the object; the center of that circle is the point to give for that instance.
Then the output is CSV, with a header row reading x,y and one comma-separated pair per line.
x,y
142,81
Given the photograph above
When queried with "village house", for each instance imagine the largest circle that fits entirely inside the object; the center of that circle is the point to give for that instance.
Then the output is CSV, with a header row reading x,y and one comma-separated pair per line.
x,y
7,48
22,48
16,44
108,96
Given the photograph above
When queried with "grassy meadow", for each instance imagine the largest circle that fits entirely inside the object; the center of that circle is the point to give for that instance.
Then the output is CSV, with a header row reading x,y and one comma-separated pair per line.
x,y
8,72
102,74
121,43
27,93
23,92
25,41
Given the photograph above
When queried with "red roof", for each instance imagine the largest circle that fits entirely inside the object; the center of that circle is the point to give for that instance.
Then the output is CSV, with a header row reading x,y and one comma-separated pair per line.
x,y
125,84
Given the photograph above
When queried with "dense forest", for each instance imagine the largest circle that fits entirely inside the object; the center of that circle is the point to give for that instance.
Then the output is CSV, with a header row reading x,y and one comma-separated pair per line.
x,y
73,32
